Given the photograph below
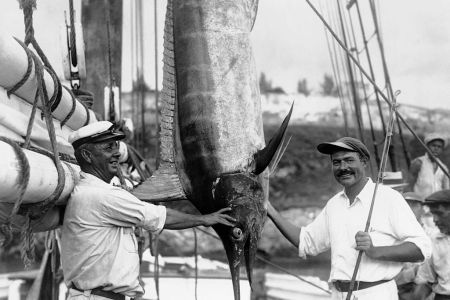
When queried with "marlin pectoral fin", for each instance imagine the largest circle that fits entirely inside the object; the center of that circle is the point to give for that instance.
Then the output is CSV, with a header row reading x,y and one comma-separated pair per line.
x,y
264,156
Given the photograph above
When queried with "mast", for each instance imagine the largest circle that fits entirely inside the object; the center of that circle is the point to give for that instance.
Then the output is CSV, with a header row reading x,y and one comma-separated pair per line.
x,y
94,18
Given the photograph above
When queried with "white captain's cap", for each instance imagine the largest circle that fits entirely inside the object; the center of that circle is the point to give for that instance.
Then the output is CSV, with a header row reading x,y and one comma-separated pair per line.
x,y
95,133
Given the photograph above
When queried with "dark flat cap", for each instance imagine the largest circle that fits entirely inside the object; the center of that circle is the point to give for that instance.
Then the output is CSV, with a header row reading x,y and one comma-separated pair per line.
x,y
441,197
344,144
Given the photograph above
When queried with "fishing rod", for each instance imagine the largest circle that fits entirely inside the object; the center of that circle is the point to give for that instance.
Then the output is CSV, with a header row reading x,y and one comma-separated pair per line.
x,y
384,156
385,98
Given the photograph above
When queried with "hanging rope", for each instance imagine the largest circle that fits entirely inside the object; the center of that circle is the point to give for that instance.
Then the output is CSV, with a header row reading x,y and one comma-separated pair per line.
x,y
22,183
196,263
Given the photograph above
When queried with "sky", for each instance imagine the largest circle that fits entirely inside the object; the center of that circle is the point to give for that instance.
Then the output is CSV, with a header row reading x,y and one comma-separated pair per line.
x,y
289,43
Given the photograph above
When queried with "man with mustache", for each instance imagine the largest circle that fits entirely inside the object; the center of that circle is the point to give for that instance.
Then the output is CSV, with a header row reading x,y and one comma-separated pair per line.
x,y
394,237
425,177
98,245
434,273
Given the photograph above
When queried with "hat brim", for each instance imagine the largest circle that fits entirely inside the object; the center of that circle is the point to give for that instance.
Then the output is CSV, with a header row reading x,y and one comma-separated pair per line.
x,y
333,147
100,138
109,136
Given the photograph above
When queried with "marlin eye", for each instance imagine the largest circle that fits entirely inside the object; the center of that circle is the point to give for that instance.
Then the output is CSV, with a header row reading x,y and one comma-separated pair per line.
x,y
237,233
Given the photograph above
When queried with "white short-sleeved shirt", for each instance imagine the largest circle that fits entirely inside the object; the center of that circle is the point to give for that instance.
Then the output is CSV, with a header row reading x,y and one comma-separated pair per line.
x,y
335,228
99,247
436,269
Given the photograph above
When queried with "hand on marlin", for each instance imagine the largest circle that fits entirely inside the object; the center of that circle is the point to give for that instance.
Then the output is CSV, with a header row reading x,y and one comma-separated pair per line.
x,y
219,217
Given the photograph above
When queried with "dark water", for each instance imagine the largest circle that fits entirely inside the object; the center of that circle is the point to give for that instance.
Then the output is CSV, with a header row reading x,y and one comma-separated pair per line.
x,y
13,265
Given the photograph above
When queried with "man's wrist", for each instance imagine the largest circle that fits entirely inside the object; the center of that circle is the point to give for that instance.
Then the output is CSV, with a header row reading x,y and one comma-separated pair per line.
x,y
373,253
202,220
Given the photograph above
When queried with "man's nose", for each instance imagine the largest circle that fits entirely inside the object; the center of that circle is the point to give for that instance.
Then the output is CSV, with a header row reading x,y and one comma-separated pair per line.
x,y
343,165
116,153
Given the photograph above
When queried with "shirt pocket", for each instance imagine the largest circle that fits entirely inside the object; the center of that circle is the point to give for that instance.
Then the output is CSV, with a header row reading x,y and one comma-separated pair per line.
x,y
381,237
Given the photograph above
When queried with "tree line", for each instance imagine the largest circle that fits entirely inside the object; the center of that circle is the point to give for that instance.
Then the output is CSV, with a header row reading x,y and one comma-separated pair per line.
x,y
326,88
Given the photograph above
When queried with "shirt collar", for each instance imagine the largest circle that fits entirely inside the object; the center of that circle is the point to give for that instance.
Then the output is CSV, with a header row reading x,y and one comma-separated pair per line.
x,y
365,195
91,178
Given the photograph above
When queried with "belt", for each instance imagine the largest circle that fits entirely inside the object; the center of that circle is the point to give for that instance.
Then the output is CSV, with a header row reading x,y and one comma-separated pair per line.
x,y
441,297
102,293
344,286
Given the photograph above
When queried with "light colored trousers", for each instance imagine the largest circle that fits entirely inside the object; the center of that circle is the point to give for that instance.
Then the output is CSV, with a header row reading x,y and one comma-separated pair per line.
x,y
384,291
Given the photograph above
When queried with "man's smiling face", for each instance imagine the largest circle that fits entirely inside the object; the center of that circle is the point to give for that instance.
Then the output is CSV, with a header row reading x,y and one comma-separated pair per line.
x,y
348,168
105,159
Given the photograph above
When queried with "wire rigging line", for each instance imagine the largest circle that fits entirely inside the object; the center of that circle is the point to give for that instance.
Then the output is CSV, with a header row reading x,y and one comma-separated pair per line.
x,y
369,62
336,79
356,104
341,56
387,76
274,265
366,100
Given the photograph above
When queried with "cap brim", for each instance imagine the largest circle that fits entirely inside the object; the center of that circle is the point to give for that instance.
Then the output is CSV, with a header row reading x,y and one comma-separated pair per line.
x,y
438,197
333,147
115,136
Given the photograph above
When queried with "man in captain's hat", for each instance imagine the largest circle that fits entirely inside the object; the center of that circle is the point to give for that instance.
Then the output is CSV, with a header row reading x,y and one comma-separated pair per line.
x,y
425,176
98,246
434,274
394,237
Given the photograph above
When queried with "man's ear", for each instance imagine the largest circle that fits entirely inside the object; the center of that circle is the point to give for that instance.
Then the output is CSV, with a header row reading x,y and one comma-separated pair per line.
x,y
87,155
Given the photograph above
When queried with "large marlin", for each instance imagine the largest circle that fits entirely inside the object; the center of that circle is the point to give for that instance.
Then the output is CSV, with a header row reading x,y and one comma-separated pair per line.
x,y
212,141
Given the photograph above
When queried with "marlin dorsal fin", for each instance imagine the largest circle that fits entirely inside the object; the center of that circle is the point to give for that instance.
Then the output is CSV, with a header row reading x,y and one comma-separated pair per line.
x,y
165,183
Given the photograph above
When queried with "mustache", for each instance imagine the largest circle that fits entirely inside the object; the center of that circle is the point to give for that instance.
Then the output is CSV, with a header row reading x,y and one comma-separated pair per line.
x,y
344,172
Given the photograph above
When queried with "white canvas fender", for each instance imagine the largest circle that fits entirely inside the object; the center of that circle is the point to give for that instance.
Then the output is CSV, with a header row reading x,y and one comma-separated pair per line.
x,y
65,44
14,62
14,118
43,176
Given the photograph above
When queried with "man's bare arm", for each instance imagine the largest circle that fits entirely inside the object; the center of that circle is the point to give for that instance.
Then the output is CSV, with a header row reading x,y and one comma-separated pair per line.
x,y
179,220
405,252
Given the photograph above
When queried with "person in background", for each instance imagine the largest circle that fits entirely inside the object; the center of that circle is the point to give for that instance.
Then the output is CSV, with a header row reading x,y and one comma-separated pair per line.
x,y
434,274
99,251
394,237
425,177
405,279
